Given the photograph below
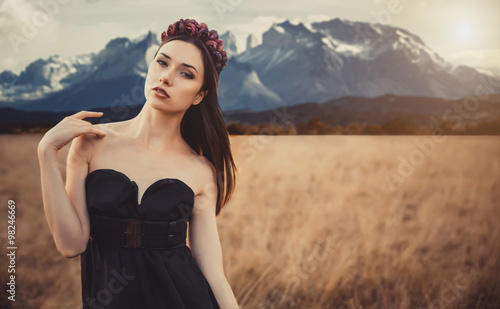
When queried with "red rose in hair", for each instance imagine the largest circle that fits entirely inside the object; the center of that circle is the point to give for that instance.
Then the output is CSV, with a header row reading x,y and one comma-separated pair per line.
x,y
179,26
203,34
171,30
218,55
211,45
220,45
213,35
192,28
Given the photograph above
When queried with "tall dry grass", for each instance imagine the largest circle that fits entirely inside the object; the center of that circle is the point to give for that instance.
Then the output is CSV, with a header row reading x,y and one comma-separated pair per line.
x,y
313,223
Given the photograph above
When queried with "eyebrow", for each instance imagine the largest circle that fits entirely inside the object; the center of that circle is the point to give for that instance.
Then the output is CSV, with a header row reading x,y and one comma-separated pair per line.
x,y
184,64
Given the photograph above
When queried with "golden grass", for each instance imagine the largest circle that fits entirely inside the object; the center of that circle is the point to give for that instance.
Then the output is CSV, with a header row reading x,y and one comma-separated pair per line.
x,y
313,223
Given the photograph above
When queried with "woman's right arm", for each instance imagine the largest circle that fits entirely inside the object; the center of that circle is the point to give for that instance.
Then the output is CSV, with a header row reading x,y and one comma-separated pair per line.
x,y
64,206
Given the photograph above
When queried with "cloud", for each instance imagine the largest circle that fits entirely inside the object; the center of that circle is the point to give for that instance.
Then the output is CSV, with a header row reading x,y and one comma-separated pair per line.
x,y
318,17
24,28
98,21
483,58
256,26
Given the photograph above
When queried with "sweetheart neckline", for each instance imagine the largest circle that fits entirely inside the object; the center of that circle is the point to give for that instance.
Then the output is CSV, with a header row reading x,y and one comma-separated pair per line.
x,y
137,201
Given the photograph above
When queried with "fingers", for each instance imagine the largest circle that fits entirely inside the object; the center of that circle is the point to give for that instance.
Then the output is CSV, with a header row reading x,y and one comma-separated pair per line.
x,y
97,132
86,127
85,114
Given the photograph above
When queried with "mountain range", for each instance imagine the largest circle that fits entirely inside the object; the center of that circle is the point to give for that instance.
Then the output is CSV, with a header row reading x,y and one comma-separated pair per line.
x,y
295,63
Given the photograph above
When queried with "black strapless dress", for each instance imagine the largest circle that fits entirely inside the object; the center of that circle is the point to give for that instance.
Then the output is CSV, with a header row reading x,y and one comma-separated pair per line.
x,y
120,277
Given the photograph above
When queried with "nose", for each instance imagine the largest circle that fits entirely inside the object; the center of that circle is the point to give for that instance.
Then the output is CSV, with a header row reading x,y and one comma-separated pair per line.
x,y
165,76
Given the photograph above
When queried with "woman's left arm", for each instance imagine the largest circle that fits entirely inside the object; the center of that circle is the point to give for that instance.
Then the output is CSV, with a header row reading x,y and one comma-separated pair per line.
x,y
205,244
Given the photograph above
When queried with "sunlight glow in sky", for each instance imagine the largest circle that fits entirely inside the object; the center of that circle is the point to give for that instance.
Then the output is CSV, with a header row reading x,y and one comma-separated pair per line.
x,y
464,32
459,30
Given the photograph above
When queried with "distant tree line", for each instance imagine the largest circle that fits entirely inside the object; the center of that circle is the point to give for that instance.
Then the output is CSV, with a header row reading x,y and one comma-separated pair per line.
x,y
396,126
315,126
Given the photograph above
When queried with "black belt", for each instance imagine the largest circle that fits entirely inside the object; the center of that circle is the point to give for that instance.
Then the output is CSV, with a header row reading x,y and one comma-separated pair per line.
x,y
138,233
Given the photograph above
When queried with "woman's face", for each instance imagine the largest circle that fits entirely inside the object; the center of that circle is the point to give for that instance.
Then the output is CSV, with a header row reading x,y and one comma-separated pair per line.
x,y
178,69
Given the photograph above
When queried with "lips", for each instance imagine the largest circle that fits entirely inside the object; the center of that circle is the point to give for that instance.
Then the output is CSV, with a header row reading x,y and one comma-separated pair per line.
x,y
162,91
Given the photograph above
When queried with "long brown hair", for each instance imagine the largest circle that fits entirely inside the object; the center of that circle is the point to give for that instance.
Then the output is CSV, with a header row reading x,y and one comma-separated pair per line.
x,y
204,129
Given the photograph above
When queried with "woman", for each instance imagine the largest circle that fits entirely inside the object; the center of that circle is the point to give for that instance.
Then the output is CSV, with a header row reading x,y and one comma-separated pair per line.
x,y
133,186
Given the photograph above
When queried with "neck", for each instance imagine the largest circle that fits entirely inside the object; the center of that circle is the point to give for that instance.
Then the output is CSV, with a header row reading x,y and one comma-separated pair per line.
x,y
157,131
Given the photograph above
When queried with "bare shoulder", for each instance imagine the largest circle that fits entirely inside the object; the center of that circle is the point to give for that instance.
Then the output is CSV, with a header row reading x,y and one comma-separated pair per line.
x,y
105,127
206,172
207,167
84,145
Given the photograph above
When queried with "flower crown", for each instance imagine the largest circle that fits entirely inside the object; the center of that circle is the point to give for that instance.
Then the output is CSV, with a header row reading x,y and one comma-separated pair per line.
x,y
210,38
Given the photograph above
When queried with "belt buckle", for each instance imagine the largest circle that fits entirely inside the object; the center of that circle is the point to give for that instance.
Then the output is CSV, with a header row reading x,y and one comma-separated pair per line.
x,y
134,236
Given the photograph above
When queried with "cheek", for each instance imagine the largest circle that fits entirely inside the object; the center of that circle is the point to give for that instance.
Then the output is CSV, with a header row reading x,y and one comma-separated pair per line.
x,y
191,90
150,77
151,74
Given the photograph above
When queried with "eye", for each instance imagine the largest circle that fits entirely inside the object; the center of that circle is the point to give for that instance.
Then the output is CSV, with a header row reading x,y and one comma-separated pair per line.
x,y
186,74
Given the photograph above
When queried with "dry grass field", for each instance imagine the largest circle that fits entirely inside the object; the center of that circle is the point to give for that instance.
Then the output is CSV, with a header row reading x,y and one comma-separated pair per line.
x,y
314,223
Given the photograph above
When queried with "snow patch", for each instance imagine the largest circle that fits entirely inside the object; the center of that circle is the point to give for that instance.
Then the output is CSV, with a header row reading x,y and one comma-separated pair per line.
x,y
328,41
349,49
279,29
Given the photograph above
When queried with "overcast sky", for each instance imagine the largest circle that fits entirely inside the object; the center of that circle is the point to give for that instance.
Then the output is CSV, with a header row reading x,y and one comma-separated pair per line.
x,y
460,31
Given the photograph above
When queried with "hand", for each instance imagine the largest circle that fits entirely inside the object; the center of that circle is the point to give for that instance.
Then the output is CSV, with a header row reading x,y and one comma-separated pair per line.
x,y
69,128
